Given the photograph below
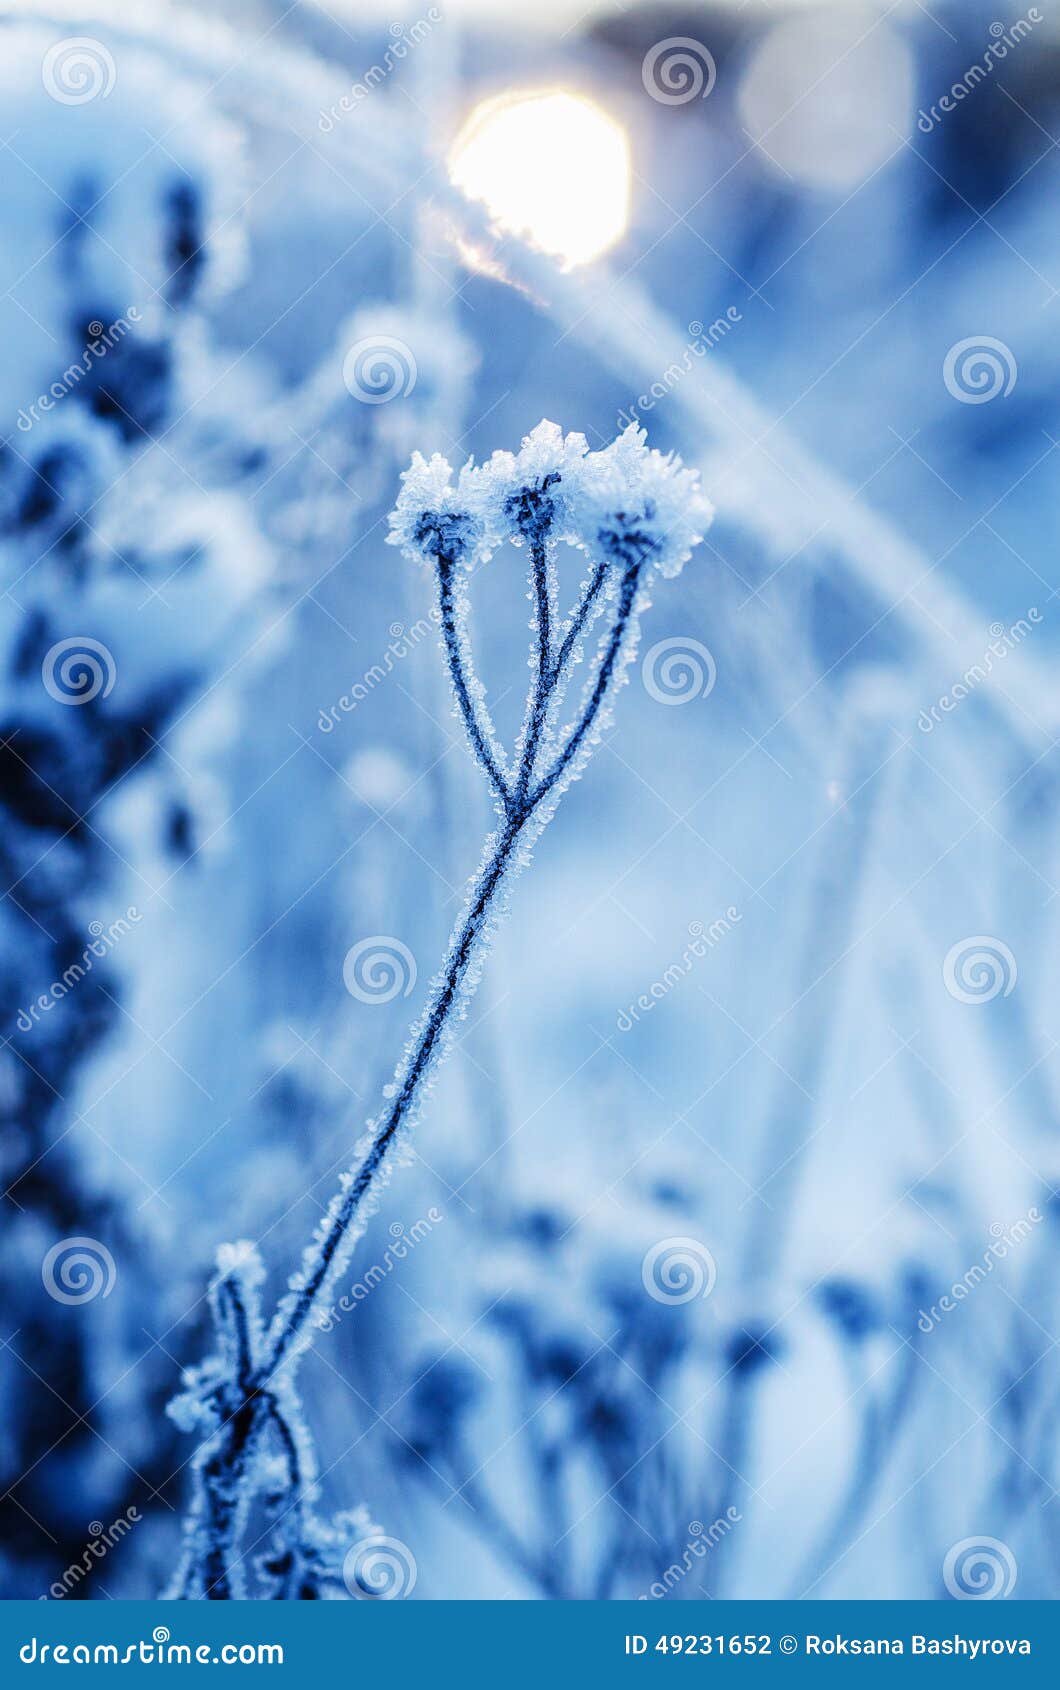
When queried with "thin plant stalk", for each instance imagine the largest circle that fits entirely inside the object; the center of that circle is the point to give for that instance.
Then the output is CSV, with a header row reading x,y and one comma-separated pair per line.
x,y
637,515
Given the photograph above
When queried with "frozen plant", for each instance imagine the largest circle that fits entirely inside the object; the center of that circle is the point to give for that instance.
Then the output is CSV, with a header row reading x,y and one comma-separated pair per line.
x,y
635,514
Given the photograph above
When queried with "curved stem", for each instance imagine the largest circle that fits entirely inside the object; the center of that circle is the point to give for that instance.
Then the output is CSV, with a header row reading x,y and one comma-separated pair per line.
x,y
604,675
416,1071
229,1300
224,1500
578,620
541,690
478,729
520,807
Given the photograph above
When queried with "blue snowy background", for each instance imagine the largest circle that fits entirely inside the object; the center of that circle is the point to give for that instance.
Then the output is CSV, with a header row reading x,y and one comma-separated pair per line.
x,y
726,1260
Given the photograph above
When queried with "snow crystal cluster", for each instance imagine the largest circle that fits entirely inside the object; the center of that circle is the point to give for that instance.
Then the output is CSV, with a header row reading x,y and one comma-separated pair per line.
x,y
625,500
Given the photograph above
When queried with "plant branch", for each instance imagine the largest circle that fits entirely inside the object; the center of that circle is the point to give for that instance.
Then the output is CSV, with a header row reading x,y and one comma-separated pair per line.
x,y
604,674
232,1394
545,679
415,1073
477,725
581,614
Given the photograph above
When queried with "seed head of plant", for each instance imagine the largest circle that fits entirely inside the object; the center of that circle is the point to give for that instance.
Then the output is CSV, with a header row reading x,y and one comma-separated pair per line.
x,y
624,501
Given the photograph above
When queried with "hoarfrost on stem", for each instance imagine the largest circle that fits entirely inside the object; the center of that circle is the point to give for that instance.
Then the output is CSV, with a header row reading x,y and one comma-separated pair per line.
x,y
635,514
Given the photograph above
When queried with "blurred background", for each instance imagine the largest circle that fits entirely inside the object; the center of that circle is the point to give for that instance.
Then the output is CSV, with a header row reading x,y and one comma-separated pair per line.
x,y
726,1262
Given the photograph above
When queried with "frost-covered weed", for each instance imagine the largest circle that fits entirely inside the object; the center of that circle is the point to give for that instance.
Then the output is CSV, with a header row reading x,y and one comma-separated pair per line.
x,y
126,579
635,515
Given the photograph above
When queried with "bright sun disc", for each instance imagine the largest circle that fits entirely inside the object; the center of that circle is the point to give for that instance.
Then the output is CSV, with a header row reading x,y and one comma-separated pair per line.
x,y
551,167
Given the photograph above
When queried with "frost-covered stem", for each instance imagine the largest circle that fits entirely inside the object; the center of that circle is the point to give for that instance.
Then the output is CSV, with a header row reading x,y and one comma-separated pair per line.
x,y
544,682
477,730
224,1494
235,1314
580,617
445,998
224,1470
654,521
626,596
520,807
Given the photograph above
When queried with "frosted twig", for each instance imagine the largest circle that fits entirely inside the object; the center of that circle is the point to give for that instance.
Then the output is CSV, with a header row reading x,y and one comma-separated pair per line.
x,y
637,515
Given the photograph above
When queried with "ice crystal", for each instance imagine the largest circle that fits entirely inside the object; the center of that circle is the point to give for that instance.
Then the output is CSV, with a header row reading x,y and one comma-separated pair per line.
x,y
606,502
